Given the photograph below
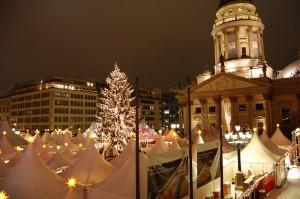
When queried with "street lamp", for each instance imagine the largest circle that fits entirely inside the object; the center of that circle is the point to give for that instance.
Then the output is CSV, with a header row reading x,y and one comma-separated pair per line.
x,y
239,138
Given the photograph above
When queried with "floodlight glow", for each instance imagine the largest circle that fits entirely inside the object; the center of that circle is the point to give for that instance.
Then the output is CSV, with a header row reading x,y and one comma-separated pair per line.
x,y
3,195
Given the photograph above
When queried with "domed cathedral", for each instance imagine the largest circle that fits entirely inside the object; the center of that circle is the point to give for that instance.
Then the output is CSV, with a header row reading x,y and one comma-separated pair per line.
x,y
243,89
238,37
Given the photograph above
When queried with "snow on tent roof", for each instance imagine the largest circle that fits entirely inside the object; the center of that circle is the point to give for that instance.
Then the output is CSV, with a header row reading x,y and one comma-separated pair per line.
x,y
278,138
159,147
30,178
90,167
123,157
121,185
271,146
7,151
79,139
14,139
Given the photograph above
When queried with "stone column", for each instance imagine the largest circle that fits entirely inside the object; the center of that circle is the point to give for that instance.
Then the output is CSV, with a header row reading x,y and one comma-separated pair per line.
x,y
250,40
268,98
237,42
249,99
225,35
298,114
218,101
204,113
216,46
234,112
262,46
260,49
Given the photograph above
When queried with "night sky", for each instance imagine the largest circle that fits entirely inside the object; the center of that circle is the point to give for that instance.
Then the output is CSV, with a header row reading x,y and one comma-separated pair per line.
x,y
162,41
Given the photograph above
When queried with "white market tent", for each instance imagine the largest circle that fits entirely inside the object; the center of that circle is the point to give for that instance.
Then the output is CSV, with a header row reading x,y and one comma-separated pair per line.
x,y
90,167
46,138
79,139
123,157
37,143
4,168
7,151
174,146
160,146
271,146
14,139
30,178
45,154
121,185
58,161
279,138
255,157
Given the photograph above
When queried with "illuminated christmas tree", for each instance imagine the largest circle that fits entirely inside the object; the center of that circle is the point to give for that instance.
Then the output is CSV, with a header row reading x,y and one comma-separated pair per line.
x,y
116,113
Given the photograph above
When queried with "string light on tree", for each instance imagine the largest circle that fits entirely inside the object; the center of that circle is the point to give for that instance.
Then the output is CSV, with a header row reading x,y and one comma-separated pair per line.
x,y
116,113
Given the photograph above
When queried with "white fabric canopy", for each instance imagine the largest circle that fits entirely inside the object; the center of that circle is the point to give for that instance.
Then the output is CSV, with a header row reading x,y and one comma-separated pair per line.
x,y
37,143
90,167
45,155
121,185
46,138
79,139
30,178
58,160
14,139
123,157
279,138
271,146
159,147
8,152
174,146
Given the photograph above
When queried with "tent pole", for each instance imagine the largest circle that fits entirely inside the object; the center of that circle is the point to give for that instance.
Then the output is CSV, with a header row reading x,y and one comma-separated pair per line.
x,y
137,142
191,187
221,147
85,193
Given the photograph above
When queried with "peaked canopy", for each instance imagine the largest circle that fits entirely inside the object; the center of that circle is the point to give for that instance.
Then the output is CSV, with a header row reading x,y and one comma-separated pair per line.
x,y
79,139
46,138
174,146
121,185
271,146
30,178
146,132
123,157
37,143
58,160
159,147
90,167
171,136
13,138
279,138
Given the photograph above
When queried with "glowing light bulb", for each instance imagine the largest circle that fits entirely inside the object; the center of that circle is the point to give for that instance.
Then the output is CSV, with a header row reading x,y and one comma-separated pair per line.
x,y
3,195
160,131
58,147
71,182
66,144
4,133
80,145
277,125
199,132
44,146
30,139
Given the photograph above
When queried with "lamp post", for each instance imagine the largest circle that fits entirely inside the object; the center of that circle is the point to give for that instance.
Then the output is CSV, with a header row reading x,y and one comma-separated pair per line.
x,y
238,139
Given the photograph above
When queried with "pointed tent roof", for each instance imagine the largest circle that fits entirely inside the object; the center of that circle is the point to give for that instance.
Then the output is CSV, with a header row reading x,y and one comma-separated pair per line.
x,y
46,138
7,151
58,160
37,143
271,146
174,146
14,139
279,138
166,132
73,194
171,136
30,178
145,131
45,155
257,152
79,139
90,167
121,185
159,147
123,157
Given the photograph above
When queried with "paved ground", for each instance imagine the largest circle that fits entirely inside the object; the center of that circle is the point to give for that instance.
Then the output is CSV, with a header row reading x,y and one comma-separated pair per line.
x,y
291,189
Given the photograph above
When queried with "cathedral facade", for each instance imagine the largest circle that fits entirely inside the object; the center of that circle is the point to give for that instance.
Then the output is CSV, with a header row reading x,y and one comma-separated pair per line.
x,y
243,89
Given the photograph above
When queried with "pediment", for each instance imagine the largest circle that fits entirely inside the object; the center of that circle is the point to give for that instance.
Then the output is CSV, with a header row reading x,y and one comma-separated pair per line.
x,y
224,82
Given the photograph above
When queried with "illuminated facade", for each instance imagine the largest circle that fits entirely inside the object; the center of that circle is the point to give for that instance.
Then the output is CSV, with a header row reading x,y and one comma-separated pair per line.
x,y
54,103
150,107
244,89
4,108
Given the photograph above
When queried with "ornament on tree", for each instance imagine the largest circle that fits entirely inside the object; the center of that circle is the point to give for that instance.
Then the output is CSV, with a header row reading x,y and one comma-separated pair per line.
x,y
116,113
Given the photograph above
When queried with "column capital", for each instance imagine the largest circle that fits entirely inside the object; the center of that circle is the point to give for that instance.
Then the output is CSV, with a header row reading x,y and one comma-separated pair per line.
x,y
217,99
267,96
233,99
249,98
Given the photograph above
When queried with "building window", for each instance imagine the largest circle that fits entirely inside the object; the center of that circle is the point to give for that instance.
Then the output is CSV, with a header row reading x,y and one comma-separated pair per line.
x,y
198,110
212,109
259,107
286,115
244,52
242,107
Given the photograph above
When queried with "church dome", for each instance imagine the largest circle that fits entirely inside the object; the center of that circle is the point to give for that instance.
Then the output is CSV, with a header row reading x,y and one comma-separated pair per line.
x,y
226,2
292,70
